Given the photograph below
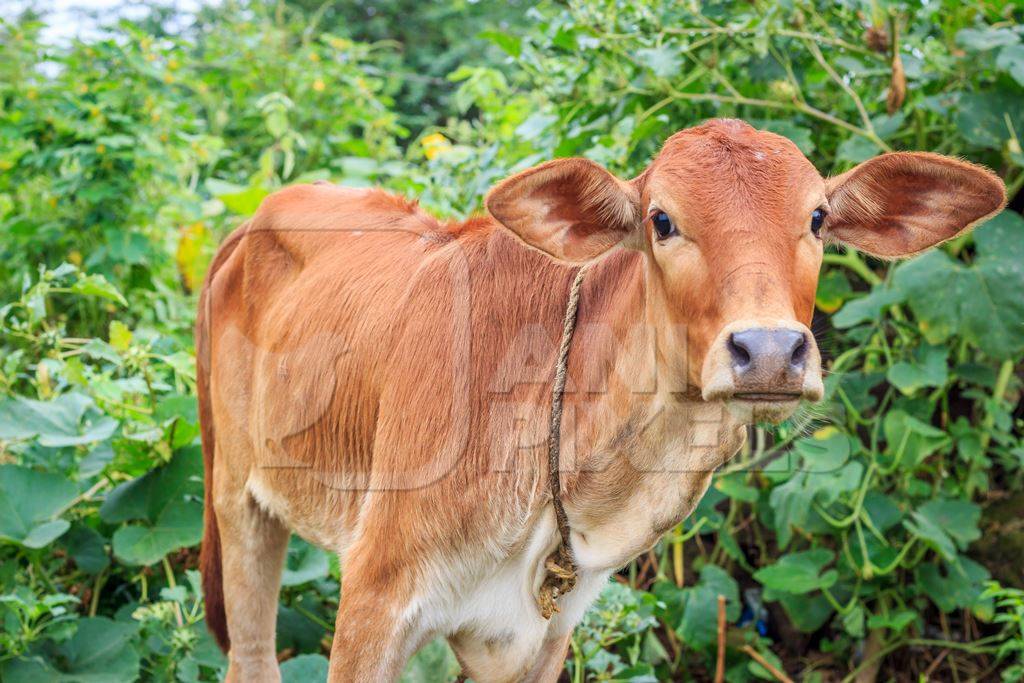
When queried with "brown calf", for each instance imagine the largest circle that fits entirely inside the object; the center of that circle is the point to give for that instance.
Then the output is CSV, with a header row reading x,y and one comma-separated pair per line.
x,y
379,382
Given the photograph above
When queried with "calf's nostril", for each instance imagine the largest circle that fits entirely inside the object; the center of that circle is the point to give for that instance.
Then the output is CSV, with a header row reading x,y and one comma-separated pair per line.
x,y
739,351
799,354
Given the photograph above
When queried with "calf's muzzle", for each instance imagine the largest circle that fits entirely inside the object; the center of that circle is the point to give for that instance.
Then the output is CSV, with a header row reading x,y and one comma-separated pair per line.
x,y
768,363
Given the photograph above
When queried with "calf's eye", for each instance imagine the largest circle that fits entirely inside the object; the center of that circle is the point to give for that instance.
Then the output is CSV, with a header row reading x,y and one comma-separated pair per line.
x,y
817,218
663,226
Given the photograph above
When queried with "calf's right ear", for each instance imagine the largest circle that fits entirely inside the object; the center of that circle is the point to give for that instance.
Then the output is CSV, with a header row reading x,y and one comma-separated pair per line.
x,y
572,209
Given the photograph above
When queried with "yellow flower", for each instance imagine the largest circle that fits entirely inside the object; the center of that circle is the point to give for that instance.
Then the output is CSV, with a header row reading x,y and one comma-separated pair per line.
x,y
319,85
83,89
75,256
434,145
314,57
168,78
101,149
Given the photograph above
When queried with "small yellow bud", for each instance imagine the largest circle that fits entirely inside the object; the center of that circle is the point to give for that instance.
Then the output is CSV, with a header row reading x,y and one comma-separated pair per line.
x,y
434,145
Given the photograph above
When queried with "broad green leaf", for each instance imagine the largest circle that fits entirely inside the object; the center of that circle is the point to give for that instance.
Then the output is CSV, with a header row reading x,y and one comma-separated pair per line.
x,y
928,369
807,612
165,505
1011,60
987,38
101,651
853,622
434,663
946,525
792,501
305,669
97,285
146,497
826,451
909,440
895,621
295,630
867,307
799,573
68,420
534,125
304,563
822,474
507,42
180,526
734,487
120,335
882,510
955,584
833,290
663,60
856,149
926,529
87,548
46,533
985,119
699,624
96,459
802,137
29,503
238,199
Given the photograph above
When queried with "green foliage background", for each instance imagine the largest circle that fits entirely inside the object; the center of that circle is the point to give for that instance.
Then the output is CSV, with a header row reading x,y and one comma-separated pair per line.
x,y
877,536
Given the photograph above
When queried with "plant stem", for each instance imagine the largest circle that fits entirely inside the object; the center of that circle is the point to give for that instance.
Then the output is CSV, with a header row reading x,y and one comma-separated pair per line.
x,y
169,572
97,586
853,261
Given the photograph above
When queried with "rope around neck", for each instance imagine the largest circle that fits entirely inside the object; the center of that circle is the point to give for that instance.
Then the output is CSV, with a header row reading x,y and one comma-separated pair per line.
x,y
560,568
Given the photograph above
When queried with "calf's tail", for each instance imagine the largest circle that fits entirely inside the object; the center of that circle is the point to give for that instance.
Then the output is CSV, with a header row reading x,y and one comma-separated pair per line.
x,y
210,551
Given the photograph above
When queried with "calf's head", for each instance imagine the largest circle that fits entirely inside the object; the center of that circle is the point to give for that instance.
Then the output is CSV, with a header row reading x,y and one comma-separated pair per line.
x,y
732,222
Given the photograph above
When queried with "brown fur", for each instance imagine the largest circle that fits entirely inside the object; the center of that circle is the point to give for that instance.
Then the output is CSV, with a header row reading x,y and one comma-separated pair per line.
x,y
379,383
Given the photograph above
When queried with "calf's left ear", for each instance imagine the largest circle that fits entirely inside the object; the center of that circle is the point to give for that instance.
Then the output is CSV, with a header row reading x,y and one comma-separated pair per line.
x,y
902,203
573,209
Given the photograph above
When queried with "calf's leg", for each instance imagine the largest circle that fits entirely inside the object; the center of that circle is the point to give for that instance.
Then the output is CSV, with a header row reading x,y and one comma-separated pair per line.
x,y
378,627
550,660
253,546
